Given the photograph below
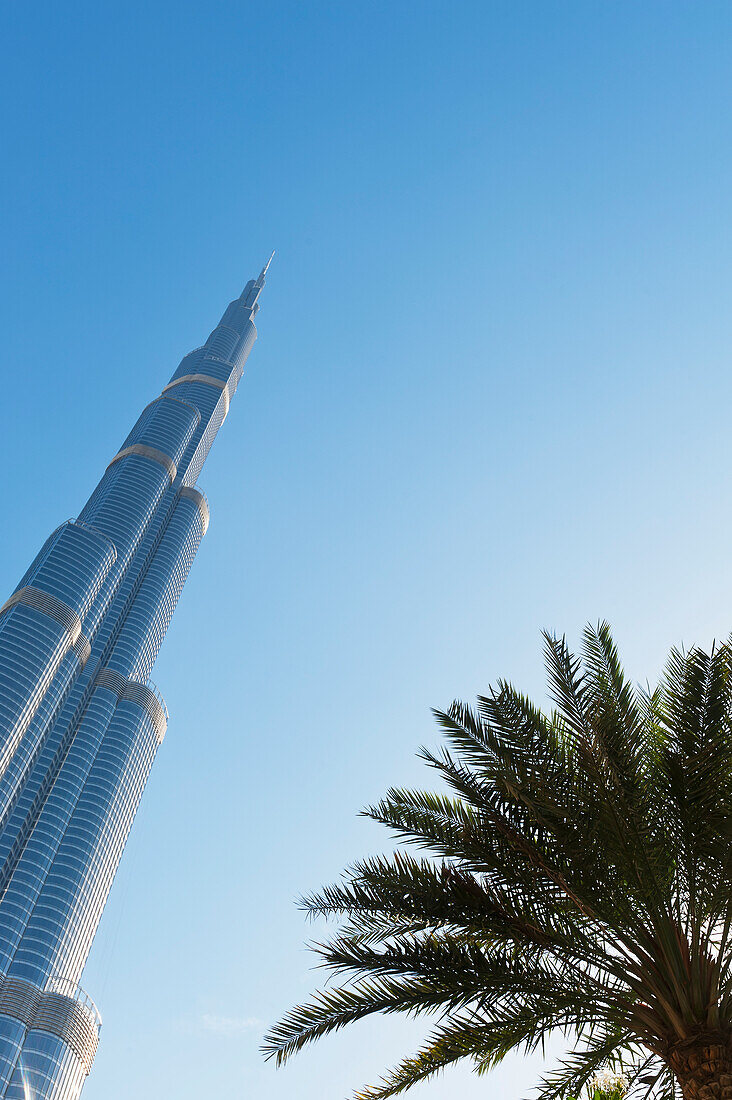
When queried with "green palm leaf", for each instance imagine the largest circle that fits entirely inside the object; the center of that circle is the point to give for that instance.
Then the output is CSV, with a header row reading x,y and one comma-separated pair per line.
x,y
573,875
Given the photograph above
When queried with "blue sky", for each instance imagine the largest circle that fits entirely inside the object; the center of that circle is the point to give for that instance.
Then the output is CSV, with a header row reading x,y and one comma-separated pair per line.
x,y
490,394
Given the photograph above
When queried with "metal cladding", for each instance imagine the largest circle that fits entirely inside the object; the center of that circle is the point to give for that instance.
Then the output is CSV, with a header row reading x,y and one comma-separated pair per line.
x,y
80,721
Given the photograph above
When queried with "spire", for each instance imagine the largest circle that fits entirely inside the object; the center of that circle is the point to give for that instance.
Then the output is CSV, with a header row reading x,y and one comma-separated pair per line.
x,y
251,292
265,269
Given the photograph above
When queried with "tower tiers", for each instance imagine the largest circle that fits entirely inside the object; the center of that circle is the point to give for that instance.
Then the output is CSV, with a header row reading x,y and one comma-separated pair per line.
x,y
80,722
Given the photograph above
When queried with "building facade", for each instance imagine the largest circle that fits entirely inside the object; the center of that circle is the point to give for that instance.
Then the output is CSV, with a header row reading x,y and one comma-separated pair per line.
x,y
80,720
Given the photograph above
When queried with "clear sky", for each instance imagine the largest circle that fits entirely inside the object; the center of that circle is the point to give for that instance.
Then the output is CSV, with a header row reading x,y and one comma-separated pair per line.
x,y
491,393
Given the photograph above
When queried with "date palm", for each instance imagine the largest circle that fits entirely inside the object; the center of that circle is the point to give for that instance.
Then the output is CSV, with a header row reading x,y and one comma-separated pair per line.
x,y
574,877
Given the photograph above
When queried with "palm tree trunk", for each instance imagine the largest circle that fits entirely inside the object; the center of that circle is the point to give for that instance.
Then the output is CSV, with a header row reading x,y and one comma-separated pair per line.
x,y
703,1069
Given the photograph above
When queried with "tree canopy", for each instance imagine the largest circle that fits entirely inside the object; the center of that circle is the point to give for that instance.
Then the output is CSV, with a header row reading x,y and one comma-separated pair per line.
x,y
573,875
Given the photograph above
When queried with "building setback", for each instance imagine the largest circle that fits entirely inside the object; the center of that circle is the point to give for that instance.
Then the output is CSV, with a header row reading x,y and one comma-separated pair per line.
x,y
80,721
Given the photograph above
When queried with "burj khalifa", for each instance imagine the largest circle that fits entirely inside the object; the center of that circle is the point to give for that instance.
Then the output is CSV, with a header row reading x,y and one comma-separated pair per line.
x,y
80,720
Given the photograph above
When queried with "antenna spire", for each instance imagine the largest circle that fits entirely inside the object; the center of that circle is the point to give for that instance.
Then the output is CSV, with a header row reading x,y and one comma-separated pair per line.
x,y
265,269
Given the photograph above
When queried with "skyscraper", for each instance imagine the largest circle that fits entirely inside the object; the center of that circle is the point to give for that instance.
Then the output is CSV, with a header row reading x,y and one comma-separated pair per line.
x,y
80,721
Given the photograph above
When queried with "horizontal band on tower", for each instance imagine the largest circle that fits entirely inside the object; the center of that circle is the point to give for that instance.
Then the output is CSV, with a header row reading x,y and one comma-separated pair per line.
x,y
55,609
141,694
199,499
68,1018
82,649
148,452
209,381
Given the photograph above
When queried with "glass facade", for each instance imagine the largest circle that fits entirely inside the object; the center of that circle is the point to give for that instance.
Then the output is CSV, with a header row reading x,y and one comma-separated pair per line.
x,y
80,720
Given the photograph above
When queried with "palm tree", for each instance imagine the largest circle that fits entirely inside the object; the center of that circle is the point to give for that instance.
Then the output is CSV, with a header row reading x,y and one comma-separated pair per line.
x,y
576,878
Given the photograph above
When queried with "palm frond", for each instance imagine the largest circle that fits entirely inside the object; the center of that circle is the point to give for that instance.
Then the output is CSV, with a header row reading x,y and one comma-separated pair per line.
x,y
573,875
